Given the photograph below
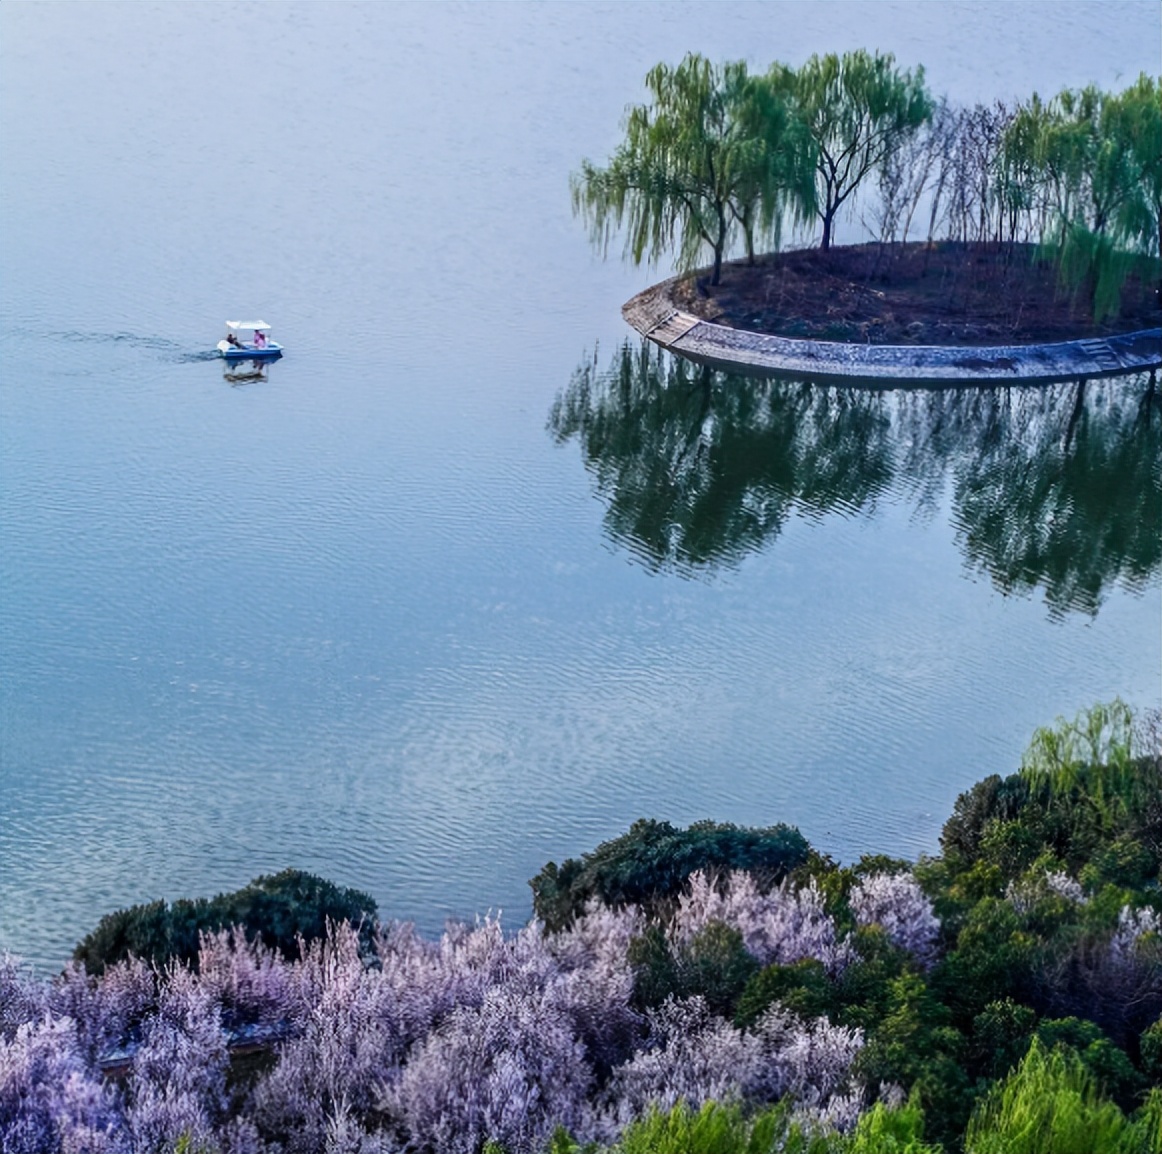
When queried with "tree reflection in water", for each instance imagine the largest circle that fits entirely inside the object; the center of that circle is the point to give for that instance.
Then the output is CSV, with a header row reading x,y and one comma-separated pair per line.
x,y
1056,487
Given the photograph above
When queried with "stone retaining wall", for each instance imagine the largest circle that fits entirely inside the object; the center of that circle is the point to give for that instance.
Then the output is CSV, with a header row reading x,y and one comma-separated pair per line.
x,y
655,315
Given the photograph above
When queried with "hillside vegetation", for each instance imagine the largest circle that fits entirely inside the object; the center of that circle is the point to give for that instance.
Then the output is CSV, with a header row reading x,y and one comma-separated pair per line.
x,y
711,989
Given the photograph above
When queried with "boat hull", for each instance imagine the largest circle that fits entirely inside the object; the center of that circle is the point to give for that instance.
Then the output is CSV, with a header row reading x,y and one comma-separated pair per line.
x,y
247,353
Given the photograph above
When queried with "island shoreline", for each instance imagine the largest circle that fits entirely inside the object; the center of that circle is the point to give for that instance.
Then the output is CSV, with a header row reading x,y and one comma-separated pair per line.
x,y
657,314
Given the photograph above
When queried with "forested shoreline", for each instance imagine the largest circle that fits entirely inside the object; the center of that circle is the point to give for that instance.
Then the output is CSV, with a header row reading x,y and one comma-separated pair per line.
x,y
714,988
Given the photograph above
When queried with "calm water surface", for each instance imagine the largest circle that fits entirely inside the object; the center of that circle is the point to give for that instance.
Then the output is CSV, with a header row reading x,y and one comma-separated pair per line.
x,y
465,584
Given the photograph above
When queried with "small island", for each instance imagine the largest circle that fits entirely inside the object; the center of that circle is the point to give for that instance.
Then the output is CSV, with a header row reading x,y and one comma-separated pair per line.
x,y
925,315
1040,223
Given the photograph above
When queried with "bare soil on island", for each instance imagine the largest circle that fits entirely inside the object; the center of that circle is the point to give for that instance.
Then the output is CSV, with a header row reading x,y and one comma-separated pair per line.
x,y
914,294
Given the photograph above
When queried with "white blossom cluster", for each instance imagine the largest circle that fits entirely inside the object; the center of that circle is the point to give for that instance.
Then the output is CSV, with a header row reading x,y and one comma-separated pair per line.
x,y
783,926
1135,929
1024,894
1060,883
696,1056
897,904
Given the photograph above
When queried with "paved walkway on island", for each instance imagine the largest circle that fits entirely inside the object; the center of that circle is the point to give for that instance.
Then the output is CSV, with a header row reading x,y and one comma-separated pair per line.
x,y
655,315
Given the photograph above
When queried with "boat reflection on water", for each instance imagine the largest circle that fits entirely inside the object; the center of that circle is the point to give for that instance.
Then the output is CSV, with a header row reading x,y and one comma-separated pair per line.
x,y
1052,487
247,372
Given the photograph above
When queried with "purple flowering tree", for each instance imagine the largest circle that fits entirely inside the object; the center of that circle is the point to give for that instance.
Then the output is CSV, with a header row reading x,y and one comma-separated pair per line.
x,y
50,1100
177,1088
693,1055
509,1070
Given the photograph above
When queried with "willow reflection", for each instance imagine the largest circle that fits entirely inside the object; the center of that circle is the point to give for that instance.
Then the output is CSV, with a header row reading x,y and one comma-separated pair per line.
x,y
1057,487
699,468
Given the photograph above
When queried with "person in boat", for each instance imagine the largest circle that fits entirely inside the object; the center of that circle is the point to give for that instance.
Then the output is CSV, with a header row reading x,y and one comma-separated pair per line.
x,y
233,341
259,339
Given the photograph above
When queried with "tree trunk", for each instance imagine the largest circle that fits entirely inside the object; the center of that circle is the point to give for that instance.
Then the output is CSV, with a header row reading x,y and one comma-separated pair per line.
x,y
719,244
828,217
1145,408
1075,416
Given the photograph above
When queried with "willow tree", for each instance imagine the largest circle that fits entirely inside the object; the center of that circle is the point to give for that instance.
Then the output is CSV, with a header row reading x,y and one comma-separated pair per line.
x,y
711,158
1081,146
858,108
1137,113
1093,159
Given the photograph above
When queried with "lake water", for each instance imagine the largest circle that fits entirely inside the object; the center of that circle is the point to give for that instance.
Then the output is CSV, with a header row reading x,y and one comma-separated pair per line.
x,y
463,585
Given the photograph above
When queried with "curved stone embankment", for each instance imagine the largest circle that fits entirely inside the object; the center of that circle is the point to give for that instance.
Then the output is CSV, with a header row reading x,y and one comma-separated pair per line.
x,y
655,315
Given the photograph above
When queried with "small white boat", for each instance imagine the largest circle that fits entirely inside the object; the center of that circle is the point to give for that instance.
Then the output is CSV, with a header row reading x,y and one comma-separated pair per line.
x,y
249,340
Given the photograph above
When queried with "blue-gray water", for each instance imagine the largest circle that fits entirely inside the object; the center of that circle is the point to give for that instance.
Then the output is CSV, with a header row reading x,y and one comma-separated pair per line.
x,y
416,612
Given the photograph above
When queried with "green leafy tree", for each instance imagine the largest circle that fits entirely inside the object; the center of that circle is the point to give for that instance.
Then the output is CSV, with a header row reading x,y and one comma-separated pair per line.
x,y
914,1045
714,965
712,156
1093,163
1000,1036
1138,115
1097,743
1064,154
1086,798
801,987
1085,145
864,991
858,109
993,960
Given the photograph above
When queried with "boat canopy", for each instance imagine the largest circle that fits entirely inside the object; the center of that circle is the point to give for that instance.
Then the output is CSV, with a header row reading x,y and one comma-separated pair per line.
x,y
252,326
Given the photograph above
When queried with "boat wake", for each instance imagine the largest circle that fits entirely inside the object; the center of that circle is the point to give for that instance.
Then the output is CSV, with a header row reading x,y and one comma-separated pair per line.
x,y
165,349
133,340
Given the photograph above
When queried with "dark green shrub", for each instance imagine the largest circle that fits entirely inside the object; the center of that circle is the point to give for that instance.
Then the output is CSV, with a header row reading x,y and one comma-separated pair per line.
x,y
882,863
914,1045
1150,1046
863,991
278,909
713,964
803,988
1000,1036
653,860
655,969
1112,1071
716,965
993,960
994,798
